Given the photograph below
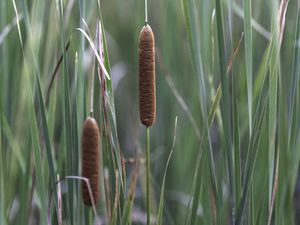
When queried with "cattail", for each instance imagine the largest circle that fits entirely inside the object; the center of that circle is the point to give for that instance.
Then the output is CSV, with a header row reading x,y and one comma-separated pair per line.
x,y
90,160
147,93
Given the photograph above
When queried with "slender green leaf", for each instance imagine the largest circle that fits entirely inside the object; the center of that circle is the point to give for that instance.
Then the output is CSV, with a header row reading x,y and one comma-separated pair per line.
x,y
189,9
248,56
162,193
225,107
46,132
2,171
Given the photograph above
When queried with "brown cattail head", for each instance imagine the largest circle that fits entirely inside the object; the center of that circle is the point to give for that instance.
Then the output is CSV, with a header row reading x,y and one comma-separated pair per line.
x,y
147,92
90,160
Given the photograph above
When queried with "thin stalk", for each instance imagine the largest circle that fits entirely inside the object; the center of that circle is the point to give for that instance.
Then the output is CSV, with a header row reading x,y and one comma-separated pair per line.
x,y
92,97
91,217
148,173
88,211
146,12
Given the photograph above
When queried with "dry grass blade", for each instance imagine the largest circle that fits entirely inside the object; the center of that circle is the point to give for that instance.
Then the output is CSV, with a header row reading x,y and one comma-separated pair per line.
x,y
235,51
59,204
95,52
126,217
54,74
218,95
281,18
86,181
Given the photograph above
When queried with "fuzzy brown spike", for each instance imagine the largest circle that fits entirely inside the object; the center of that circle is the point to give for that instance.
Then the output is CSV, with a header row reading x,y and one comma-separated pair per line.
x,y
90,160
147,92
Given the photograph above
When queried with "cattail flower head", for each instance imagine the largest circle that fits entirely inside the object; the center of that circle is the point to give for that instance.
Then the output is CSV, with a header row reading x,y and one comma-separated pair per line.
x,y
147,92
90,160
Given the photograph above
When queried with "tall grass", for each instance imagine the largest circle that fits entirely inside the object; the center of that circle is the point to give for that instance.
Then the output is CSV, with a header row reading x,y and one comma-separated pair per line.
x,y
227,73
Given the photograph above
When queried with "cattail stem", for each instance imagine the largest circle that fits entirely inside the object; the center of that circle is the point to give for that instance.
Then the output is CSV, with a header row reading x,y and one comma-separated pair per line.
x,y
146,12
90,217
88,214
92,97
148,173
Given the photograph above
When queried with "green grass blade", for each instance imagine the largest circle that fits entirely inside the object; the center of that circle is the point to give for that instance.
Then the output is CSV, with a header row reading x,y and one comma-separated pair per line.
x,y
194,42
248,56
68,130
46,132
294,80
261,73
226,110
236,141
2,171
273,94
16,150
33,116
126,217
162,193
18,24
215,106
41,185
252,151
197,177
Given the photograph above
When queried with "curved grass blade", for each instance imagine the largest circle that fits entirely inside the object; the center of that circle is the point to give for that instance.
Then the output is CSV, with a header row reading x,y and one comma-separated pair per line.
x,y
162,193
95,52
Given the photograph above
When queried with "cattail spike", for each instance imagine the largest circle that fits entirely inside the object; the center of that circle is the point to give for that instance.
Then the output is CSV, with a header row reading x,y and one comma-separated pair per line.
x,y
90,160
147,92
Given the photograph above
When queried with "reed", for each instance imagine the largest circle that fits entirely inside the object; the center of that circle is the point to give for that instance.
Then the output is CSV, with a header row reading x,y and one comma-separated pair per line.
x,y
90,160
147,92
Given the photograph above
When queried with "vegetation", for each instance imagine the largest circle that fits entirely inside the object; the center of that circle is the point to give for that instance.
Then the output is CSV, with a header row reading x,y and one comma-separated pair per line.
x,y
225,145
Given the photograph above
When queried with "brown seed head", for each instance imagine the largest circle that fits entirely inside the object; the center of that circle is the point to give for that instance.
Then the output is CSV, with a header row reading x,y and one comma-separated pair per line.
x,y
90,160
147,92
